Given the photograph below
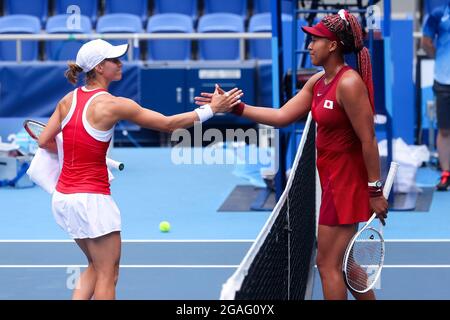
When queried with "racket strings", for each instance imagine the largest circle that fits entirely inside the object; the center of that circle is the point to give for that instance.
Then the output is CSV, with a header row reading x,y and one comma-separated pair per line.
x,y
365,260
34,129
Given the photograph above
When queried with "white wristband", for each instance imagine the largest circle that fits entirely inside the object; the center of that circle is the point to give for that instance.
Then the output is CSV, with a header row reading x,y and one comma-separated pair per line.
x,y
204,112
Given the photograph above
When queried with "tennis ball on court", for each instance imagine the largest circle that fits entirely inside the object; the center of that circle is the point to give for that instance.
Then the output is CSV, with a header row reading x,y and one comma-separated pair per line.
x,y
164,226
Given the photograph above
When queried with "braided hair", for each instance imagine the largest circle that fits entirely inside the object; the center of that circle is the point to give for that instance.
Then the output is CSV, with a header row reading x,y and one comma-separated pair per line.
x,y
351,36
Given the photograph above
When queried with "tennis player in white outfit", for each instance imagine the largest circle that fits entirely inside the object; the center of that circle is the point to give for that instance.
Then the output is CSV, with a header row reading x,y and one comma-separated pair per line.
x,y
82,203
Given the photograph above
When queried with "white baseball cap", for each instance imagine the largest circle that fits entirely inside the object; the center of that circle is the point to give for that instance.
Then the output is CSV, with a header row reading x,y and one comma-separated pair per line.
x,y
95,51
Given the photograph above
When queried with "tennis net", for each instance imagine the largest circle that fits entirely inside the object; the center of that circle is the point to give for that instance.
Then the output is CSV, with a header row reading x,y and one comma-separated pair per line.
x,y
279,265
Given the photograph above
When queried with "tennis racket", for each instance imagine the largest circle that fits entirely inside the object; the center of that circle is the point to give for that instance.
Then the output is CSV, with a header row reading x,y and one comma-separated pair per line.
x,y
35,128
364,256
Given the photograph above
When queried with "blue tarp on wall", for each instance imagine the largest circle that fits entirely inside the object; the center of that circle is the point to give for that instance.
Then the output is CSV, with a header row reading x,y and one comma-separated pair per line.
x,y
34,89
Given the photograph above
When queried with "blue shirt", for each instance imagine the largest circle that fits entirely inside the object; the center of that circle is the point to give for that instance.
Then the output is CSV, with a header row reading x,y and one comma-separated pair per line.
x,y
437,26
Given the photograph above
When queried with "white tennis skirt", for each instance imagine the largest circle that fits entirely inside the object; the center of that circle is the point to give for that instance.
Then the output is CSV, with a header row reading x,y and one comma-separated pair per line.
x,y
86,215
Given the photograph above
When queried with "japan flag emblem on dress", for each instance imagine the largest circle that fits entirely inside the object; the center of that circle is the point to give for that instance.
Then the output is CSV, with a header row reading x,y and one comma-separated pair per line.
x,y
328,104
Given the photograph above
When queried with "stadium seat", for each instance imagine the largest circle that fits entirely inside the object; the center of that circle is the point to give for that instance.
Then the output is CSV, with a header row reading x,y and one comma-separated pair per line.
x,y
260,49
263,6
37,8
120,23
220,49
65,50
19,23
135,7
229,6
188,7
169,49
87,7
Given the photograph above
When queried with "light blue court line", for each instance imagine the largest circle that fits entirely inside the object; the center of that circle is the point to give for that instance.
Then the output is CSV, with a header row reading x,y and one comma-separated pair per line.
x,y
139,266
134,252
182,266
197,252
417,266
410,266
134,241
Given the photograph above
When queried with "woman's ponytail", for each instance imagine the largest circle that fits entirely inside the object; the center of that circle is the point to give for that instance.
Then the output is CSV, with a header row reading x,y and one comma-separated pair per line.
x,y
72,72
364,62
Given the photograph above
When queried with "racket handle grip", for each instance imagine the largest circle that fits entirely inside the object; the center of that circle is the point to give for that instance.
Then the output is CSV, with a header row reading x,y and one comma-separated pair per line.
x,y
115,164
390,179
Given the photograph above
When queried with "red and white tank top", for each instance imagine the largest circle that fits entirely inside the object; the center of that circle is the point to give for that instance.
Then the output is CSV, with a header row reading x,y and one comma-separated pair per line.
x,y
84,168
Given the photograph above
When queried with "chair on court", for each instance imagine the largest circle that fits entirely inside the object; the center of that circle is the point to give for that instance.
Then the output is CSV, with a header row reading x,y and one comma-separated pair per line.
x,y
37,8
169,49
121,23
187,7
263,6
19,23
87,8
65,23
220,49
135,7
238,7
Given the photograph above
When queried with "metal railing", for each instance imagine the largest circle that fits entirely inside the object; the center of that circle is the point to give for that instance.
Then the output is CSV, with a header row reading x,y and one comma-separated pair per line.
x,y
134,38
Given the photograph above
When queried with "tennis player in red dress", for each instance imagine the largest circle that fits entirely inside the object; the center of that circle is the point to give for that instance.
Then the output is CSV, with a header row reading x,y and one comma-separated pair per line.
x,y
341,101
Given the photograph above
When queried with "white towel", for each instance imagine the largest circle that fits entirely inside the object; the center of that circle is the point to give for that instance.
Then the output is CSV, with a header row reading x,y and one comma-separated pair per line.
x,y
44,170
46,166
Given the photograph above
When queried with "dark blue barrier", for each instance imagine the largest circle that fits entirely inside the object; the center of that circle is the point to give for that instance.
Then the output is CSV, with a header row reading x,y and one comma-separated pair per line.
x,y
34,89
170,88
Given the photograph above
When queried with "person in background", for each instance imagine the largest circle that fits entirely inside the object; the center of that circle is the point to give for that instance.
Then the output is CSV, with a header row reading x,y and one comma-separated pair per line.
x,y
436,43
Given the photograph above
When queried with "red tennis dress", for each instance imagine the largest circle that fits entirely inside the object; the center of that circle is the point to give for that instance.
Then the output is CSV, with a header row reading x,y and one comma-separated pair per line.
x,y
340,162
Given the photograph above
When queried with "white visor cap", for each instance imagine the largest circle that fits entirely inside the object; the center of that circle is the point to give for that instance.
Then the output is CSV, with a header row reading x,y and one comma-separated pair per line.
x,y
95,51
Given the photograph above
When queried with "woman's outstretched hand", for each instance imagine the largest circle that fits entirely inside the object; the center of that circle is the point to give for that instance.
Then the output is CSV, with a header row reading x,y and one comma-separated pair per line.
x,y
204,99
206,96
233,96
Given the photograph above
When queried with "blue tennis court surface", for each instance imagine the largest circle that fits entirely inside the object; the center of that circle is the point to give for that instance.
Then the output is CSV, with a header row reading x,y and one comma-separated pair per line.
x,y
37,261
